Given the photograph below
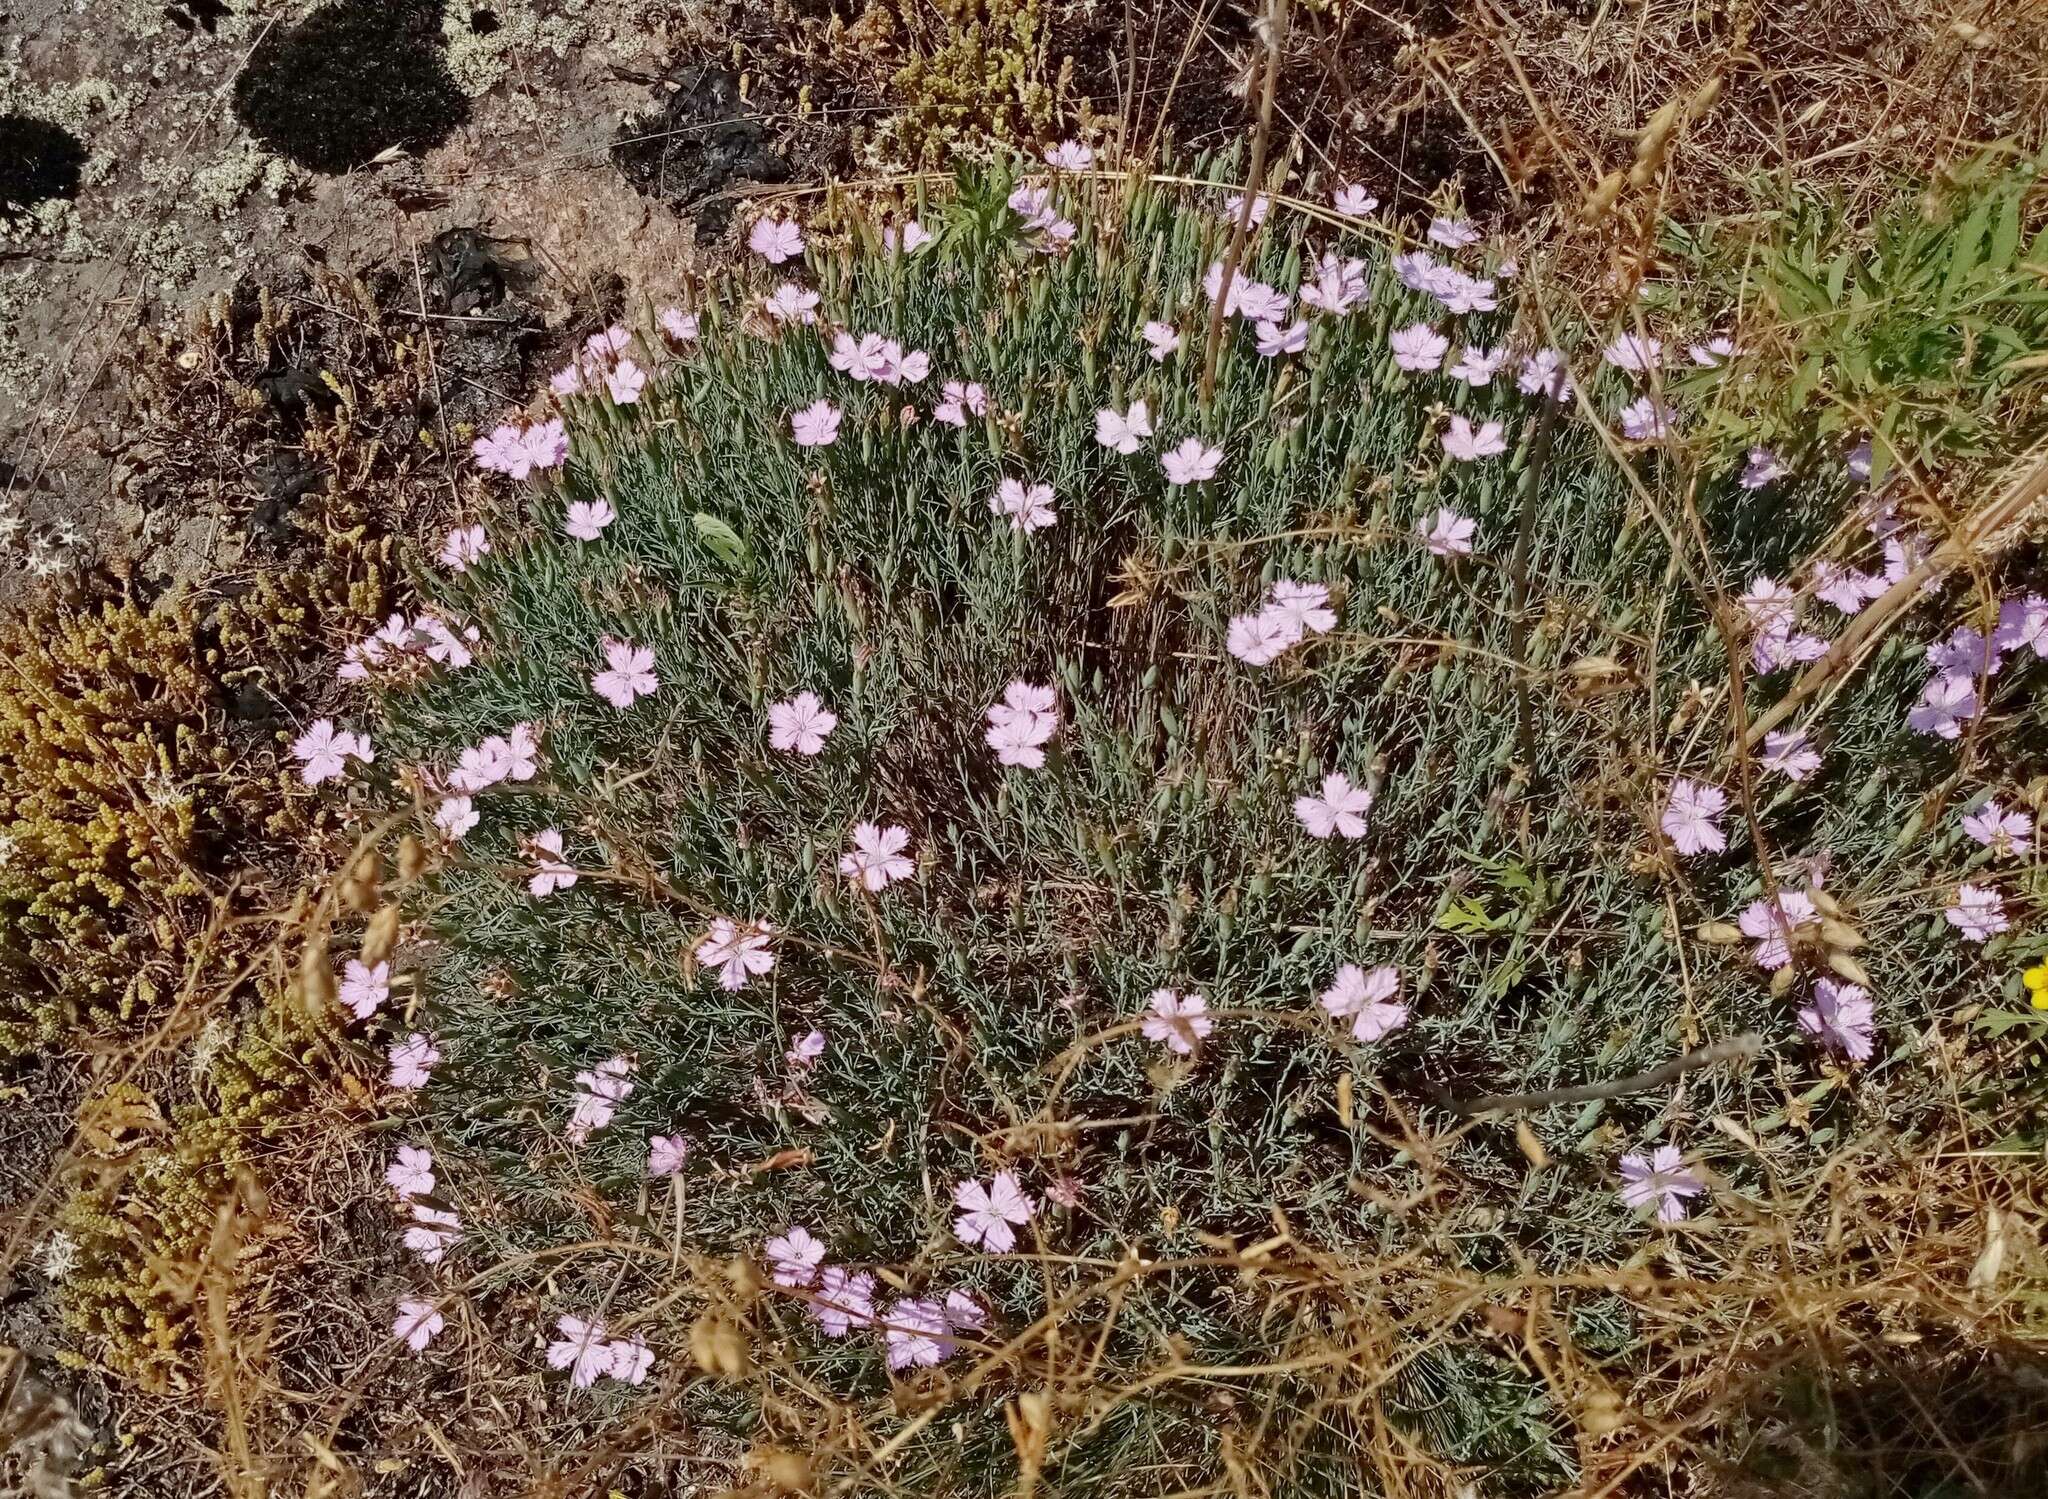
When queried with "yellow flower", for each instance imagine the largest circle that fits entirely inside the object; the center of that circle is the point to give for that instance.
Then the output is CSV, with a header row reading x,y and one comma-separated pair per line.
x,y
2036,980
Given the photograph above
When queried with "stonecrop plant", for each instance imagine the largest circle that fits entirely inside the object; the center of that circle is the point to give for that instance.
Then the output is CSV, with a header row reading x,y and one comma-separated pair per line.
x,y
993,845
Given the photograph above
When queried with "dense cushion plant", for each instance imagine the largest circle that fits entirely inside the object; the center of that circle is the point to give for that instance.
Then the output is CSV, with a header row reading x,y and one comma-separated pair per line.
x,y
939,810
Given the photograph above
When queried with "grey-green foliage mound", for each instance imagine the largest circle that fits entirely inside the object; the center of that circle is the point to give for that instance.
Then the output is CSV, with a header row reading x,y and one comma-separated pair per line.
x,y
981,1014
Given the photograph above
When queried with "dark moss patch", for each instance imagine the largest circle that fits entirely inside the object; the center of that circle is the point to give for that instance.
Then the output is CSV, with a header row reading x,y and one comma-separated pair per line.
x,y
38,161
201,15
701,140
357,77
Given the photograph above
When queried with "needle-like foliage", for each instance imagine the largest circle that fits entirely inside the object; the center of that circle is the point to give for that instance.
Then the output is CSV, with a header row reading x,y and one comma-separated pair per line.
x,y
1519,716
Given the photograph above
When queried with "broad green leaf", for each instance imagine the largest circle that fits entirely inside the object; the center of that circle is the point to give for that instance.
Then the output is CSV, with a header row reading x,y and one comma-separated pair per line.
x,y
1969,240
723,540
2005,239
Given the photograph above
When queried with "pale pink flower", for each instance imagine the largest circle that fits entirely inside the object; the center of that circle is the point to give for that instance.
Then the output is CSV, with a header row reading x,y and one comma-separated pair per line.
x,y
1715,352
1978,913
413,1061
1661,1180
628,674
911,238
624,381
1367,1000
1946,704
1418,270
417,1323
1769,604
1274,340
455,817
1544,371
1340,811
801,724
1070,156
1021,724
804,1052
1233,208
497,452
1452,234
443,645
1418,347
964,1313
588,518
1647,419
1304,606
631,1359
790,303
481,765
1841,1015
666,1155
1033,204
609,344
1477,366
1015,744
1125,431
1245,298
1966,653
816,426
776,240
365,988
1260,639
2002,832
464,545
1774,650
1847,590
1447,533
581,1348
842,1300
599,1092
432,1233
1027,507
794,1257
737,952
680,326
898,368
1634,352
323,752
2023,622
865,358
1465,445
1461,293
547,444
1787,753
1903,554
1161,340
1859,460
1763,467
412,1173
1335,286
1691,816
1192,462
1177,1021
551,872
916,1334
568,380
522,752
1026,699
877,858
1353,201
1771,930
990,1215
958,401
